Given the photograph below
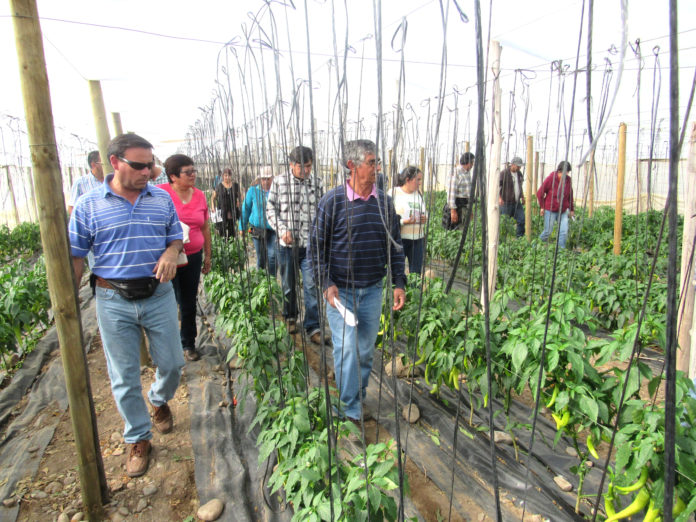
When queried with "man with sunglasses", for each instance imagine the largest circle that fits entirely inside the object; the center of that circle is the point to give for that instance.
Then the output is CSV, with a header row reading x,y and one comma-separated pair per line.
x,y
290,209
134,232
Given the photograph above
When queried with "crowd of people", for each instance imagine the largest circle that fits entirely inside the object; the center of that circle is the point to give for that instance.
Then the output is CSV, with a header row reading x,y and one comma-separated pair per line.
x,y
146,232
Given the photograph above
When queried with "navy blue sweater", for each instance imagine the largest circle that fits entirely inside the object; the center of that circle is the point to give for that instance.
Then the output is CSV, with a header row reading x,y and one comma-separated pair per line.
x,y
349,243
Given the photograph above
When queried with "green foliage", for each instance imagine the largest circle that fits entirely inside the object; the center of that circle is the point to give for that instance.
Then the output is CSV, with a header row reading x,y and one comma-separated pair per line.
x,y
22,242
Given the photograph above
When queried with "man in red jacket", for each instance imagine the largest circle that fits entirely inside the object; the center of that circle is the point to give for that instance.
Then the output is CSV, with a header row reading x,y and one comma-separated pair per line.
x,y
555,198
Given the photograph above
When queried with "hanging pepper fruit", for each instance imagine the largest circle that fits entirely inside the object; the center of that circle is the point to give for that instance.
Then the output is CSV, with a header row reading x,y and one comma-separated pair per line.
x,y
609,498
638,504
624,490
591,447
554,394
561,419
651,513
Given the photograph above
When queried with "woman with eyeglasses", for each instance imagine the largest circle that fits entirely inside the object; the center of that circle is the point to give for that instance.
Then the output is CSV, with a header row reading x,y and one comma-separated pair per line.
x,y
192,209
410,206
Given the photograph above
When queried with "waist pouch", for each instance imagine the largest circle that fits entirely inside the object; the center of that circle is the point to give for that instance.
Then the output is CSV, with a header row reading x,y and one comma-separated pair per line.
x,y
133,289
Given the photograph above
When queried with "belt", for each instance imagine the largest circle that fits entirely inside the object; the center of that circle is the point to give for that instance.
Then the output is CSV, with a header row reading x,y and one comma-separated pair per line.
x,y
103,283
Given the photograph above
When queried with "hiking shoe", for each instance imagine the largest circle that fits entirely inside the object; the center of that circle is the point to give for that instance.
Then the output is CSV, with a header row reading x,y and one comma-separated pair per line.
x,y
292,326
138,458
162,418
315,337
190,354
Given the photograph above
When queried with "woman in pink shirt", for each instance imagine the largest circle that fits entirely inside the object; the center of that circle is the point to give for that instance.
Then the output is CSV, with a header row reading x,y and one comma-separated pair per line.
x,y
554,206
192,209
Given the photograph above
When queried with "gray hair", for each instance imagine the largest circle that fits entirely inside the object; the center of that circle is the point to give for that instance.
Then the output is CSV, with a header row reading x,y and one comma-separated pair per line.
x,y
356,151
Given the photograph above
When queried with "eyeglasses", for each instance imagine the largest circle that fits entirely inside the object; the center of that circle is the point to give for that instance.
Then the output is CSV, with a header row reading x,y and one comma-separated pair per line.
x,y
136,165
374,162
189,172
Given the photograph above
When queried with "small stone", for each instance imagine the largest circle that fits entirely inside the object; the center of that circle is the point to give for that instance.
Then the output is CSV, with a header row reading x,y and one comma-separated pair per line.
x,y
77,517
562,483
9,502
589,463
130,485
571,451
63,517
117,517
210,510
481,516
33,449
142,504
116,437
502,437
163,452
54,487
116,485
70,479
222,404
38,494
536,518
411,413
118,452
124,511
150,489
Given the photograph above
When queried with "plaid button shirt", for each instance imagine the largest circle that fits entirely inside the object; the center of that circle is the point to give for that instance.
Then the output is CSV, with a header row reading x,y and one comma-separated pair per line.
x,y
292,205
458,185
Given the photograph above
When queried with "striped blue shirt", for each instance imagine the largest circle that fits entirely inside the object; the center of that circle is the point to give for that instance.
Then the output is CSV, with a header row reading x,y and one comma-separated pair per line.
x,y
82,185
349,242
127,239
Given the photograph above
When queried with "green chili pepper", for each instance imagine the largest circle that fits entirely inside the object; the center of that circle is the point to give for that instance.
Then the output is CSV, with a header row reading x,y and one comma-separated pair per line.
x,y
636,485
641,500
554,394
591,447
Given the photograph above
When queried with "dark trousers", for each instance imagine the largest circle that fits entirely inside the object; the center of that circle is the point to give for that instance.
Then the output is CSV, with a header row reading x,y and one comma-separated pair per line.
x,y
185,289
414,250
516,211
227,227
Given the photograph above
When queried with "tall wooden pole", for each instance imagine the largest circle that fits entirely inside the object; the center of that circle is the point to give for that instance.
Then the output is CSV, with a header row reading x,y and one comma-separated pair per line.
x,y
61,280
422,159
528,189
621,174
494,172
99,114
686,358
467,147
592,180
13,199
118,127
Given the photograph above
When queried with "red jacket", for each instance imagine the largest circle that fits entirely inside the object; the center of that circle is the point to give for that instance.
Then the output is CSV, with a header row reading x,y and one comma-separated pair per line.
x,y
549,192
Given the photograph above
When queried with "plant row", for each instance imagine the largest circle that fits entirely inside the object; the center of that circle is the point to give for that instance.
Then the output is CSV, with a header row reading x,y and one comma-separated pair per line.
x,y
21,242
295,422
581,384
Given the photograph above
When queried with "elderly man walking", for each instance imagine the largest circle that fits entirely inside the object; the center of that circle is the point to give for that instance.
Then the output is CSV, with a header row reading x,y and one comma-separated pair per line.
x,y
133,230
355,235
511,195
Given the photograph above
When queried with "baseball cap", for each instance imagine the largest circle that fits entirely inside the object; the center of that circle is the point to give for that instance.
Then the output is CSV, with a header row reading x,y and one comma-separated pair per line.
x,y
517,161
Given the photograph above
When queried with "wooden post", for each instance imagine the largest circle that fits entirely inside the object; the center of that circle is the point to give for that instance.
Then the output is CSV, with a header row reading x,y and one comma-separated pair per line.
x,y
118,127
61,280
618,214
494,173
34,211
389,167
686,358
332,175
13,199
467,146
422,159
99,114
535,185
592,178
528,189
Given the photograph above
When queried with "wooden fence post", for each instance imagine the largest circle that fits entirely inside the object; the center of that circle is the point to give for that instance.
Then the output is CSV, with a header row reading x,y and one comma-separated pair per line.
x,y
99,114
618,214
13,199
61,280
118,127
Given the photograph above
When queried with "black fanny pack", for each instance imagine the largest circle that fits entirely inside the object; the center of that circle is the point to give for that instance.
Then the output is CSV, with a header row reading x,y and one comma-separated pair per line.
x,y
133,289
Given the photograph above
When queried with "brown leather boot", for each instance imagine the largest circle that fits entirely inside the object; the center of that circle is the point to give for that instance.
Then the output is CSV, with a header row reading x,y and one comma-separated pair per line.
x,y
138,458
162,418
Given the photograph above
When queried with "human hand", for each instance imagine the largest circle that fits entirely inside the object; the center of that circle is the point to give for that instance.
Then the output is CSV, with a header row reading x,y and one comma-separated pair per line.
x,y
165,268
206,265
399,298
330,294
287,237
454,217
541,211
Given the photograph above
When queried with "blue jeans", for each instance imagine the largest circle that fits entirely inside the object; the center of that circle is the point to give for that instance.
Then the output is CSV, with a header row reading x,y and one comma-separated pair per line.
x,y
414,250
265,247
549,219
289,259
119,324
186,290
354,346
516,211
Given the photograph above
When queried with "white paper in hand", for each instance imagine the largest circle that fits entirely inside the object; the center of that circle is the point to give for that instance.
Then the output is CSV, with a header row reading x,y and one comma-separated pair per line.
x,y
347,315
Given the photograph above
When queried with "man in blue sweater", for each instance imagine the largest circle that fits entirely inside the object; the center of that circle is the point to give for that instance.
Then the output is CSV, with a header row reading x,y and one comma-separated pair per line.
x,y
355,237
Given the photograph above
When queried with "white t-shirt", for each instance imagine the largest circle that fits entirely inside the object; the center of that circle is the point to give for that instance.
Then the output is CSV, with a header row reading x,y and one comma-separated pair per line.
x,y
409,206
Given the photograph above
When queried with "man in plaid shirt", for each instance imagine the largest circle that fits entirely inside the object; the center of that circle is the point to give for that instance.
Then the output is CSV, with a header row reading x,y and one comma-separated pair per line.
x,y
459,186
290,210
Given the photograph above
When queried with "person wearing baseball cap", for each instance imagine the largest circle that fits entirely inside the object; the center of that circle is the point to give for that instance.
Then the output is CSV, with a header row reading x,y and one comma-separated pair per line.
x,y
511,196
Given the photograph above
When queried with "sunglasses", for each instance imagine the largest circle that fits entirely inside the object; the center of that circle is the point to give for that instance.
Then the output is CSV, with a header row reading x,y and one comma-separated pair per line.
x,y
136,165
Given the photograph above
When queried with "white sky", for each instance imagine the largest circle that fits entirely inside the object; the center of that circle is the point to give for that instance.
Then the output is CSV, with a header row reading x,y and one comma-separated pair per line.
x,y
159,83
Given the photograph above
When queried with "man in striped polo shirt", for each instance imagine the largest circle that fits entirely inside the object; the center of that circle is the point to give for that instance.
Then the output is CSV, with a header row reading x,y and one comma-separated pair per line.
x,y
355,238
84,184
134,232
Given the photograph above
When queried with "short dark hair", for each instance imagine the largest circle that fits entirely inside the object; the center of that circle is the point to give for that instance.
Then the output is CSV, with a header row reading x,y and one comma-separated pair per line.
x,y
564,166
301,155
466,158
121,143
225,171
93,157
407,174
173,165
